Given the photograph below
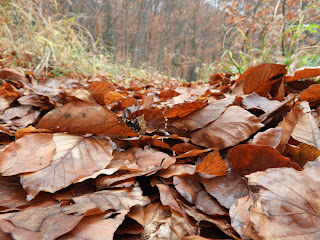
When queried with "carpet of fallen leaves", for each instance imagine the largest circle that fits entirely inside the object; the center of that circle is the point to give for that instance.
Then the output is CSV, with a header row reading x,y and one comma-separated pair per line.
x,y
235,158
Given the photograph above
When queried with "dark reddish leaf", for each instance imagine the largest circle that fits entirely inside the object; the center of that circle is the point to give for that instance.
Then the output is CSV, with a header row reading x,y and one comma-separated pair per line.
x,y
245,159
99,89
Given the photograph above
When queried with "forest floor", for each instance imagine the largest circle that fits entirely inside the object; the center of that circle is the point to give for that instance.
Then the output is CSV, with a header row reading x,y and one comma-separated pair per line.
x,y
232,158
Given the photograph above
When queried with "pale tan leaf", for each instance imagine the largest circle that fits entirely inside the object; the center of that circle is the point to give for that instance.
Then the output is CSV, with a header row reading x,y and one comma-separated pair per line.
x,y
270,137
164,224
287,206
288,125
204,116
28,154
226,189
307,128
96,227
234,126
75,157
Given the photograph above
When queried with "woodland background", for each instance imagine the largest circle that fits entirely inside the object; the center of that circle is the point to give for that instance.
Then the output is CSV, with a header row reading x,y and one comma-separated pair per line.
x,y
182,38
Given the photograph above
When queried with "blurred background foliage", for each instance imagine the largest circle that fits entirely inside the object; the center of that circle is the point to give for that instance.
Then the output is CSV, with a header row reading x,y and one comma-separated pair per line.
x,y
187,39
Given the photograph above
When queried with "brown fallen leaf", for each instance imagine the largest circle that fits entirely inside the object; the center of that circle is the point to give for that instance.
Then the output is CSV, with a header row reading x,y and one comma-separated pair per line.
x,y
84,118
202,117
153,117
99,89
240,218
226,189
270,137
245,159
287,204
254,101
184,109
177,170
312,93
307,128
75,157
163,224
28,154
302,73
234,126
212,164
302,153
182,148
260,78
190,188
98,227
288,125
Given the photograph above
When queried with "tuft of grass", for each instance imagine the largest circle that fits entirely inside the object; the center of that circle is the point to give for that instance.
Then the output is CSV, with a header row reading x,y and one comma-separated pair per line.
x,y
296,53
54,44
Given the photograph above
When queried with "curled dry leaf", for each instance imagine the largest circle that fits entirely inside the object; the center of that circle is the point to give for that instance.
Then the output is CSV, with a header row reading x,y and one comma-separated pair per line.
x,y
307,128
260,78
153,117
254,101
310,94
83,118
212,164
288,125
28,154
287,205
177,170
245,159
226,189
270,137
98,227
184,147
189,187
302,153
234,126
203,116
302,73
163,224
184,109
99,89
75,157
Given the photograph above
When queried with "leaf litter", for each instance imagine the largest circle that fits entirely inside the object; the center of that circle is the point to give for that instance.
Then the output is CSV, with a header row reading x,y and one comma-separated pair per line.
x,y
234,158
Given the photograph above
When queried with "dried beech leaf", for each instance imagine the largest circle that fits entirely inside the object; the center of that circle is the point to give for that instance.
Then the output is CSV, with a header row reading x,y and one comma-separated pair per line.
x,y
307,128
84,118
260,78
75,157
254,101
288,125
302,73
184,109
301,154
245,159
106,200
202,117
99,89
163,224
310,94
182,148
28,154
177,170
234,126
39,222
240,219
97,227
270,137
226,189
212,164
287,206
